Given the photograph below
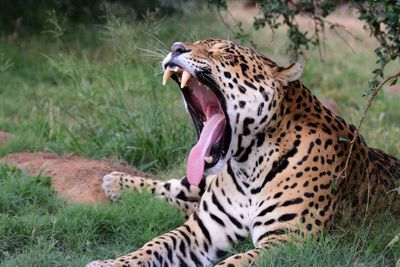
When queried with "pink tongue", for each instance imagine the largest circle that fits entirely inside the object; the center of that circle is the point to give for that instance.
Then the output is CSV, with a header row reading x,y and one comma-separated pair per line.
x,y
211,133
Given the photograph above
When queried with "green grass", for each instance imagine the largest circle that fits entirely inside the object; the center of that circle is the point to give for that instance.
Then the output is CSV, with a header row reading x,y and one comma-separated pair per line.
x,y
96,92
37,229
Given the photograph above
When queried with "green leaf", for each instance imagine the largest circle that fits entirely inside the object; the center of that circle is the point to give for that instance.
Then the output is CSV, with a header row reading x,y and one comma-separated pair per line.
x,y
393,82
368,91
334,184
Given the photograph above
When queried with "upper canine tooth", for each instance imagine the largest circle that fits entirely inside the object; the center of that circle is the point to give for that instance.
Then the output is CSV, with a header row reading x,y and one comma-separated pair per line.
x,y
176,68
168,72
185,78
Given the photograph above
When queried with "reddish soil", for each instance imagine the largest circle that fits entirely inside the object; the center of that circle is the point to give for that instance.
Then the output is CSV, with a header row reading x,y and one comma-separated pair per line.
x,y
344,15
75,178
393,90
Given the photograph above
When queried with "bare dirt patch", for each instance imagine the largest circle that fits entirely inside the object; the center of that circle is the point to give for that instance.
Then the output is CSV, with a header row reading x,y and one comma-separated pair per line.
x,y
349,32
393,90
344,15
75,178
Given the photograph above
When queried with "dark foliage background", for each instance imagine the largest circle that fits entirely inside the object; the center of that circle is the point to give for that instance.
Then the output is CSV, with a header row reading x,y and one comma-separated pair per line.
x,y
28,16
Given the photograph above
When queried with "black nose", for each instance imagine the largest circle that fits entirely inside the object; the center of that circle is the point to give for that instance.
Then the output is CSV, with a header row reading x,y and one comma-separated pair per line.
x,y
178,48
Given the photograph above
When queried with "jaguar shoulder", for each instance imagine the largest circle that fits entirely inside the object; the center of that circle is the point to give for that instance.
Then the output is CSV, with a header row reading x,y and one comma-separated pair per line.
x,y
277,158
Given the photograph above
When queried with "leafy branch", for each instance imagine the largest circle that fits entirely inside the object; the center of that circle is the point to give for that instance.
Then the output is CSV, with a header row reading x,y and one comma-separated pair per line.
x,y
382,18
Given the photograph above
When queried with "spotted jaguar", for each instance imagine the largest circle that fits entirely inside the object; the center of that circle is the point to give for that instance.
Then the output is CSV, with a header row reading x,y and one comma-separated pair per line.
x,y
270,161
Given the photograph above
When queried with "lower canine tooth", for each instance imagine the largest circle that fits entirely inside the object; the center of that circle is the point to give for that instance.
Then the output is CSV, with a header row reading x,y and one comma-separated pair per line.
x,y
208,159
168,72
185,78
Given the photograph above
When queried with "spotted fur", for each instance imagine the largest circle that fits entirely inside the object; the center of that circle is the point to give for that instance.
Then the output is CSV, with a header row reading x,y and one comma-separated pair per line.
x,y
282,176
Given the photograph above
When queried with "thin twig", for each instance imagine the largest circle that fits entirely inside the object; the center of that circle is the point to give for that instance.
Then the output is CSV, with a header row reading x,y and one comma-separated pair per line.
x,y
334,27
343,39
318,26
317,40
375,91
225,23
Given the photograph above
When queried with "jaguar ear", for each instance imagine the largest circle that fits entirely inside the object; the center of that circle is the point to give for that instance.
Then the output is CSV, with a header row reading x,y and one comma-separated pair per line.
x,y
289,74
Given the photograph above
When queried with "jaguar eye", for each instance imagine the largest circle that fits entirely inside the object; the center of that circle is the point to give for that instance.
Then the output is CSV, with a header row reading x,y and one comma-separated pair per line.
x,y
179,48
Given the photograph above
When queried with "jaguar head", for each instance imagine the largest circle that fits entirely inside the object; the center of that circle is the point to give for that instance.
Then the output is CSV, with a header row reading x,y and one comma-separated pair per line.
x,y
231,93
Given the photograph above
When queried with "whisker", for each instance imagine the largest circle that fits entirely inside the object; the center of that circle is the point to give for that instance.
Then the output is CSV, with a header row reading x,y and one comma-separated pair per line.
x,y
156,73
192,36
156,38
149,51
164,52
152,56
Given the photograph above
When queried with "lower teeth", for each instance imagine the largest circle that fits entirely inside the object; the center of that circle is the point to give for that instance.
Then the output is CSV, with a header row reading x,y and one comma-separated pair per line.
x,y
208,159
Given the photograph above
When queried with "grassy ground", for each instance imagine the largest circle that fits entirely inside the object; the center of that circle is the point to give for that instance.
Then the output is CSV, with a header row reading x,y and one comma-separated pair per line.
x,y
37,229
97,92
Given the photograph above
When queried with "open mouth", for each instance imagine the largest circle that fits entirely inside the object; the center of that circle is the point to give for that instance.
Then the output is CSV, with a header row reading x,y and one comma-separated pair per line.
x,y
205,105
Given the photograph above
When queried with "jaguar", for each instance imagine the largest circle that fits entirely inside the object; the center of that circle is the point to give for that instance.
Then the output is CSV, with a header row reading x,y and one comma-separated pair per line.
x,y
270,161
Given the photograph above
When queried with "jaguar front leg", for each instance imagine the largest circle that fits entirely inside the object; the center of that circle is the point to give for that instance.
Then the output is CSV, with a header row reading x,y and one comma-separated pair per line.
x,y
177,191
252,256
203,240
192,244
268,231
